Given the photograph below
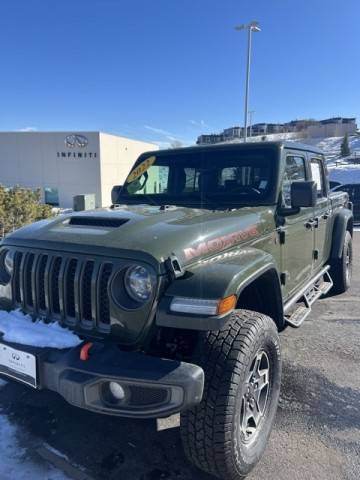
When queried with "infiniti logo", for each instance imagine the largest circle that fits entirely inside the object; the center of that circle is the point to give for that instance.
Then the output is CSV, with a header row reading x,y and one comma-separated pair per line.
x,y
16,357
75,140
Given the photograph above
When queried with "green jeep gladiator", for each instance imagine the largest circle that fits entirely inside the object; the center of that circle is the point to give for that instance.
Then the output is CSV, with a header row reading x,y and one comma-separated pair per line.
x,y
179,290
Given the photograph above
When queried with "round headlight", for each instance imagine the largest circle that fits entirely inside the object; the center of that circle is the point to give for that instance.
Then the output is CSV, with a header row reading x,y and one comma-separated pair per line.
x,y
6,266
9,262
139,283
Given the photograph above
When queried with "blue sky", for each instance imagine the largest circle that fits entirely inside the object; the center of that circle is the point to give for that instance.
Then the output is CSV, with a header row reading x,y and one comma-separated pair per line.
x,y
161,70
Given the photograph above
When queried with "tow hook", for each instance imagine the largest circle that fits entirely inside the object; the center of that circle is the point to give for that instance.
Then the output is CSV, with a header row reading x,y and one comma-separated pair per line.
x,y
85,351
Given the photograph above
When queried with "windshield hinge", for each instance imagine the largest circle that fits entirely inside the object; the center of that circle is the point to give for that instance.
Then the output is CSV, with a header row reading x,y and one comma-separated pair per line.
x,y
173,265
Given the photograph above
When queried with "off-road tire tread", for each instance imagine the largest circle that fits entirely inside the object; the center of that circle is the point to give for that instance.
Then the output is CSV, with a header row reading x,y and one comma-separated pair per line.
x,y
206,428
338,270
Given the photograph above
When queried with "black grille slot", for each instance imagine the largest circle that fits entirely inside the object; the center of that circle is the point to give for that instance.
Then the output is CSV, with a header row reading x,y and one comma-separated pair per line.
x,y
41,282
86,291
103,293
70,288
28,286
97,222
54,286
145,396
17,289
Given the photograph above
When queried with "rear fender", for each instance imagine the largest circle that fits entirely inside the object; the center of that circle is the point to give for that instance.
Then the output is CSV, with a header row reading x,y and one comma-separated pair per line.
x,y
343,222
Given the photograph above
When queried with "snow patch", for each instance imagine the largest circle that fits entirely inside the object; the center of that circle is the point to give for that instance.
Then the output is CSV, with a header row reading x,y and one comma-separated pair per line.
x,y
20,328
331,146
13,459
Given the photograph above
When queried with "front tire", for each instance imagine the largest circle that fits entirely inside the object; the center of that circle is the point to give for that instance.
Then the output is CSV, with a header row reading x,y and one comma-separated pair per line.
x,y
226,434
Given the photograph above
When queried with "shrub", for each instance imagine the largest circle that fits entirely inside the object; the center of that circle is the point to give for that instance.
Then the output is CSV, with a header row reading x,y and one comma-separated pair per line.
x,y
20,206
345,147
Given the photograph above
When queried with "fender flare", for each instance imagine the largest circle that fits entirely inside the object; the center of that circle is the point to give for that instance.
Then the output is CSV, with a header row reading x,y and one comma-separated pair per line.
x,y
215,278
340,226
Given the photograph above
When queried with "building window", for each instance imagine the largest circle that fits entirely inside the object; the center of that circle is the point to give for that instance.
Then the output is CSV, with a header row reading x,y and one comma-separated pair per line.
x,y
51,196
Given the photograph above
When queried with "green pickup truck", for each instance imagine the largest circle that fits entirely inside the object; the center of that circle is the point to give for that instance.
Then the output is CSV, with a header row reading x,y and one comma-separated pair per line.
x,y
179,290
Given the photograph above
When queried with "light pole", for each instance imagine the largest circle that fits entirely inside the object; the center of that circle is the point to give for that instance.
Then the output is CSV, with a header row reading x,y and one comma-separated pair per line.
x,y
251,113
250,27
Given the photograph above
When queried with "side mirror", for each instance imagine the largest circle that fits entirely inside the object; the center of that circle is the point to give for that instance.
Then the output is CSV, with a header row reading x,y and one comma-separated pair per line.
x,y
115,192
303,194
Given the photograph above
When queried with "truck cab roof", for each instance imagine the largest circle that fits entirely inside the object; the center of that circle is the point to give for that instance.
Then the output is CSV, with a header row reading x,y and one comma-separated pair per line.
x,y
240,146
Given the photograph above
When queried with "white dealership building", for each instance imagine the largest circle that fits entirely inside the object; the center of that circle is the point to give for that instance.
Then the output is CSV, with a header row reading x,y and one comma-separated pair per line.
x,y
65,164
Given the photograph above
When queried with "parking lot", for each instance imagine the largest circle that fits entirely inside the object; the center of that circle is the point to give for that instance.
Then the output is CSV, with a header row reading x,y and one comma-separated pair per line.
x,y
316,435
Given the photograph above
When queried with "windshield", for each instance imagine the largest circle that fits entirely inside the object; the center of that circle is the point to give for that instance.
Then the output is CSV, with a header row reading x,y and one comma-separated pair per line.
x,y
208,179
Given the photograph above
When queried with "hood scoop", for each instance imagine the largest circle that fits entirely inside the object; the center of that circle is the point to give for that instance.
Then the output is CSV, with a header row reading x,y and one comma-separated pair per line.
x,y
97,222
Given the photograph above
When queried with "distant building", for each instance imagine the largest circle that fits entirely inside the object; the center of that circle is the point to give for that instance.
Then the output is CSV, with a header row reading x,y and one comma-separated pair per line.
x,y
299,125
65,164
259,129
233,132
331,127
211,139
338,121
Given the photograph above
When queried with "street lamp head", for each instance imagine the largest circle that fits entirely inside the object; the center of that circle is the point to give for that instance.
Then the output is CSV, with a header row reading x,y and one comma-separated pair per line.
x,y
254,26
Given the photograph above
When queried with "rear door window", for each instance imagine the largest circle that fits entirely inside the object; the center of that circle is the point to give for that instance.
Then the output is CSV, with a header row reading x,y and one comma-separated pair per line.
x,y
317,175
294,172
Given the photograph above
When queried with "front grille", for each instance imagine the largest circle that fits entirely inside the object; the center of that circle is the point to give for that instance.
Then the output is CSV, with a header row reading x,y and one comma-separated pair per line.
x,y
71,290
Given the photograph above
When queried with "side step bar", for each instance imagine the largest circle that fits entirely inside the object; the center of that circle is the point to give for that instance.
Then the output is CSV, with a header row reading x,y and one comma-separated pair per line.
x,y
299,307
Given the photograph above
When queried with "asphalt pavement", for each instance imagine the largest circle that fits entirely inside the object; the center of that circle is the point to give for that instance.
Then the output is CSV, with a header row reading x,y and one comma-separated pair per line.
x,y
316,434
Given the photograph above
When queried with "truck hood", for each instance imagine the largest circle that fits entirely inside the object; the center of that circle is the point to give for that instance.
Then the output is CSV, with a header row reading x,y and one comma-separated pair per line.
x,y
188,233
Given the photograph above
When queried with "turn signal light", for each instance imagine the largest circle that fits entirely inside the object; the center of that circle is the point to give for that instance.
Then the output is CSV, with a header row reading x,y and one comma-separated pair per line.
x,y
201,306
226,304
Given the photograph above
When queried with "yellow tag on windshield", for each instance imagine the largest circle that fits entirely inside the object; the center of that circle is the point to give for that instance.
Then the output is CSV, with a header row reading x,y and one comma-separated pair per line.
x,y
140,169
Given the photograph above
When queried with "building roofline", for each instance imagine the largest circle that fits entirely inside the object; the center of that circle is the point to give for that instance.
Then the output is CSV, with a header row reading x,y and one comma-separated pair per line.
x,y
81,132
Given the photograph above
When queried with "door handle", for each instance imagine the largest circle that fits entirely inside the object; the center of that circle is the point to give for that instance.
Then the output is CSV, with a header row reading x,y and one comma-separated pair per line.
x,y
310,224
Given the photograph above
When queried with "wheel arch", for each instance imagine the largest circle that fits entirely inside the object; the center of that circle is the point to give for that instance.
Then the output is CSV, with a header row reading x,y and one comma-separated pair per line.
x,y
343,222
263,294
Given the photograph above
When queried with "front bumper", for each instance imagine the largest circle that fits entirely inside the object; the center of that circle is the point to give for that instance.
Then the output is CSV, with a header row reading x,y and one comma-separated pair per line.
x,y
155,387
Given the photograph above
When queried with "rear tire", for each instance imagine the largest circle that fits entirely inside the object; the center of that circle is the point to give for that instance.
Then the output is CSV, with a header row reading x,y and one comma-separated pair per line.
x,y
226,434
341,269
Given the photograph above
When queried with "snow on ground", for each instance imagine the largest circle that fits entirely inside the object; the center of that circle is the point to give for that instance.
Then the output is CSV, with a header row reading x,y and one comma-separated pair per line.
x,y
14,461
20,328
274,137
331,146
